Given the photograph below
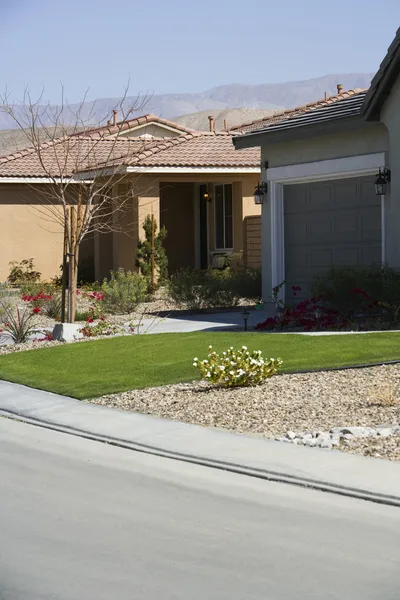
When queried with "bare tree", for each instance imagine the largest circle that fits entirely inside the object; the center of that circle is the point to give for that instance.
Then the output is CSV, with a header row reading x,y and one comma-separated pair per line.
x,y
80,159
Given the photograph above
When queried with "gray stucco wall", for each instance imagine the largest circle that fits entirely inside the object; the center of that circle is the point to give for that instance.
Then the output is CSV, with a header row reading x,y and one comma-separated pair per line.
x,y
374,138
390,116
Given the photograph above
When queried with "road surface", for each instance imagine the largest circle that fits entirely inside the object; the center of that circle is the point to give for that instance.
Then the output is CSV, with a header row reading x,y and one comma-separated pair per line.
x,y
80,520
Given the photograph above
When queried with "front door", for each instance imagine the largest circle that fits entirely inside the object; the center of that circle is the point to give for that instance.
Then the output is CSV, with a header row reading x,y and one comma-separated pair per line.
x,y
203,227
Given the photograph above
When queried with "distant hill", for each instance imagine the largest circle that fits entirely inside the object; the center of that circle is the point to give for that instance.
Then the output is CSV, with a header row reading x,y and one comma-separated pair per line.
x,y
265,96
232,117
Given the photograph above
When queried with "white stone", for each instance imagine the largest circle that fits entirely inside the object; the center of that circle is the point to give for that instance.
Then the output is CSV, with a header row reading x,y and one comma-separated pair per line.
x,y
67,332
384,431
291,435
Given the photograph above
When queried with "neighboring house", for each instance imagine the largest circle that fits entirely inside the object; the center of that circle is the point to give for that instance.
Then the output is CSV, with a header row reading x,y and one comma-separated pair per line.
x,y
195,184
320,163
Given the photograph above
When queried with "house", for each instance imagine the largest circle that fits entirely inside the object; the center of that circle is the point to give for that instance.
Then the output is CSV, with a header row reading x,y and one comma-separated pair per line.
x,y
320,163
194,183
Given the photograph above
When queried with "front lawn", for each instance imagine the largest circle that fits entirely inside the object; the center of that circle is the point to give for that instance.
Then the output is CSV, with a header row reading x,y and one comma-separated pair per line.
x,y
91,369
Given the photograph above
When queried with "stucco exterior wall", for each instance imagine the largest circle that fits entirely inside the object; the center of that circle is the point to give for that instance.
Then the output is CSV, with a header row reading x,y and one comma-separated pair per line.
x,y
374,138
390,116
27,232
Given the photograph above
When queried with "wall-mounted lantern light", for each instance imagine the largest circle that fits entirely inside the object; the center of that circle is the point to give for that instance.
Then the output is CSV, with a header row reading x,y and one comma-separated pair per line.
x,y
207,197
260,192
381,181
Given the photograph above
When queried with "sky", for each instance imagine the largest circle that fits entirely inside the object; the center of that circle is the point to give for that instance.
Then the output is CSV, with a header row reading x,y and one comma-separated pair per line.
x,y
177,46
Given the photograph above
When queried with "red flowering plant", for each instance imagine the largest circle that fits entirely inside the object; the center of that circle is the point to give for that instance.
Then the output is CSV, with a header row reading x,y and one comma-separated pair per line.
x,y
307,315
37,301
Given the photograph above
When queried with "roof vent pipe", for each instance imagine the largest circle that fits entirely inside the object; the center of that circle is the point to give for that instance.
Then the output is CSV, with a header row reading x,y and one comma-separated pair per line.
x,y
115,112
339,88
211,122
225,125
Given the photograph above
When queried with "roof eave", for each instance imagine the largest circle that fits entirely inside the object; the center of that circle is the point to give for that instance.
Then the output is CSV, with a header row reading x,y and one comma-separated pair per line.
x,y
300,132
382,82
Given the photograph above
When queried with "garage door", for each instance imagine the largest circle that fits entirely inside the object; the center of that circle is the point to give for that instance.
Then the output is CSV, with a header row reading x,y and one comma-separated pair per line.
x,y
330,223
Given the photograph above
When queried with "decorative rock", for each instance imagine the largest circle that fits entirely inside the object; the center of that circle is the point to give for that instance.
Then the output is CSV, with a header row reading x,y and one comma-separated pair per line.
x,y
384,431
338,435
67,332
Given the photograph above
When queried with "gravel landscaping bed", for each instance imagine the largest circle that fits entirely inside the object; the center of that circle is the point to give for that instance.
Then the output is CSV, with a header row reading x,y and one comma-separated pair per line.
x,y
300,403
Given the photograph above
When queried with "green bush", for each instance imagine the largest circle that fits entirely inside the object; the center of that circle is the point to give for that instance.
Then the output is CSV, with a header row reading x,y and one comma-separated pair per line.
x,y
123,291
358,289
23,272
236,368
213,288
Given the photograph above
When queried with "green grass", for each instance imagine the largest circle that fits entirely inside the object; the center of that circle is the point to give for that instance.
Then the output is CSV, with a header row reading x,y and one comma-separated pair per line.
x,y
106,366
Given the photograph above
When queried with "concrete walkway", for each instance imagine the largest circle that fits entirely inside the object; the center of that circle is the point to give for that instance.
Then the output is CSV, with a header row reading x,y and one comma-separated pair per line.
x,y
331,471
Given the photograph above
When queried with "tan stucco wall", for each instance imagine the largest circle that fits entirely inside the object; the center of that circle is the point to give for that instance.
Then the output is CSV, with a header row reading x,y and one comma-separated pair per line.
x,y
372,139
28,231
390,116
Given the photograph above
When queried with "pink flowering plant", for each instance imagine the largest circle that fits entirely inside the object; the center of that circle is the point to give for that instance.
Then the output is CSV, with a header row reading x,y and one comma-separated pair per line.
x,y
235,368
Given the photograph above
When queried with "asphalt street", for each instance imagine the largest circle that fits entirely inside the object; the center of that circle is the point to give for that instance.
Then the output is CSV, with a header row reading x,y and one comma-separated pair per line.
x,y
81,520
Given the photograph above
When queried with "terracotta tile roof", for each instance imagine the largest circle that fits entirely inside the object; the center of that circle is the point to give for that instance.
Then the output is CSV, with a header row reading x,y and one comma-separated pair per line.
x,y
78,154
196,150
292,113
61,158
148,119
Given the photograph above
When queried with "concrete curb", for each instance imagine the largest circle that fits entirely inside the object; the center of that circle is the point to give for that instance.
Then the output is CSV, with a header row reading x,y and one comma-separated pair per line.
x,y
224,465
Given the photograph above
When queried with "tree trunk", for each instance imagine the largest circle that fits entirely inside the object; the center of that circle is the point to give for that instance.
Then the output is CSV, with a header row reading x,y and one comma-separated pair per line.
x,y
72,269
64,270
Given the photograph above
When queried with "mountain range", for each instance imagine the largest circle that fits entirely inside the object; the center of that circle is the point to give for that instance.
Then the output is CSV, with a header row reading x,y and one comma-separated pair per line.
x,y
266,96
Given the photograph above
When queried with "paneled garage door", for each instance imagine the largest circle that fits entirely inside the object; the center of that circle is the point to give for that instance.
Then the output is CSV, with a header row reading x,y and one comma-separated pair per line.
x,y
330,223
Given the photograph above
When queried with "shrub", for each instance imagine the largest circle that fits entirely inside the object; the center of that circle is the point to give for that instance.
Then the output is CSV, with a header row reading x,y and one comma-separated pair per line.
x,y
144,252
353,290
213,288
101,328
124,291
16,322
22,272
237,367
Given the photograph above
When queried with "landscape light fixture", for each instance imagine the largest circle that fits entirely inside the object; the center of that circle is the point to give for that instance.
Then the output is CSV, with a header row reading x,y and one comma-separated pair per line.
x,y
381,181
259,193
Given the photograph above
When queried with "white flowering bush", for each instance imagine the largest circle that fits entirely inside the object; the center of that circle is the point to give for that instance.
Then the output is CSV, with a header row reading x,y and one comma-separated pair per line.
x,y
236,367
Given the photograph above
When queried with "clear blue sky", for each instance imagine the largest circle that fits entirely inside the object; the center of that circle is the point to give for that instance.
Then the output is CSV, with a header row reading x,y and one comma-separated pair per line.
x,y
167,46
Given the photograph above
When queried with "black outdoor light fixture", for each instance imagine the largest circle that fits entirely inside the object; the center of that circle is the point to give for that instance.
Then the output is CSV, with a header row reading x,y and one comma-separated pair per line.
x,y
259,193
381,181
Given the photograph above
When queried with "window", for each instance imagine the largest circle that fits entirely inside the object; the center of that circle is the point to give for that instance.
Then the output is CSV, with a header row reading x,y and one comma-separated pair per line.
x,y
223,216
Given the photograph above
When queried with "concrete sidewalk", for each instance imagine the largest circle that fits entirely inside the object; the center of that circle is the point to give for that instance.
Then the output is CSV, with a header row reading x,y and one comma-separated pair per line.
x,y
367,478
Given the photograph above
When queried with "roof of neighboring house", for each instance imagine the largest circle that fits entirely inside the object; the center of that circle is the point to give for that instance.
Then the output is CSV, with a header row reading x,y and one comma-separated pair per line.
x,y
383,81
346,100
61,158
148,119
203,149
77,154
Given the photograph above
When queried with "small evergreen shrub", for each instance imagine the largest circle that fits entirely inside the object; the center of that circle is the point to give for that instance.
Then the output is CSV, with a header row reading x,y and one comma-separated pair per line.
x,y
236,368
144,253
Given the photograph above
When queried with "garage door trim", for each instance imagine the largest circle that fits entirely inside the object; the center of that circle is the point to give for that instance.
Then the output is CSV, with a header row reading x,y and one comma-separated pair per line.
x,y
273,209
